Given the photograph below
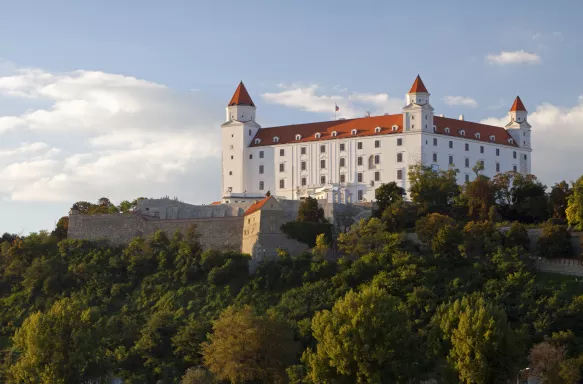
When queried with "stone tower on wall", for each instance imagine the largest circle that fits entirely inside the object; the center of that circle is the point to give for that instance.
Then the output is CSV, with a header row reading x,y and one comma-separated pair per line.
x,y
262,235
519,129
236,135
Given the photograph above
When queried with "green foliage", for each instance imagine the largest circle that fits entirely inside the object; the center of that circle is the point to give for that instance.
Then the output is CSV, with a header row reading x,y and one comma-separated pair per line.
x,y
517,236
480,196
521,197
428,226
310,211
399,216
554,242
574,212
306,231
386,195
367,236
559,198
433,191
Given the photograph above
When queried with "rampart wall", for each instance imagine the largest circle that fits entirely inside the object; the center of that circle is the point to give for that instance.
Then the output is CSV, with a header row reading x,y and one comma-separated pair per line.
x,y
561,266
218,232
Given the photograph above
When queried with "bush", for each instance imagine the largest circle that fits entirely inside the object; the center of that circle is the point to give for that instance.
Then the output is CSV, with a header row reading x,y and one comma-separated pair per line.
x,y
428,226
517,236
306,231
554,241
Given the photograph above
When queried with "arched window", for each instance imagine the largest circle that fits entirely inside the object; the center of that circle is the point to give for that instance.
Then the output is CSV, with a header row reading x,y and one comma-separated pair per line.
x,y
317,135
334,133
257,141
353,132
276,139
371,162
492,138
298,137
477,135
395,128
462,133
446,129
377,129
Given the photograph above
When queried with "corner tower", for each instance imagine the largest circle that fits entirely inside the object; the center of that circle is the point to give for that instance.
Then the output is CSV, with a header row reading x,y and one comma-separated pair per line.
x,y
518,127
418,113
236,135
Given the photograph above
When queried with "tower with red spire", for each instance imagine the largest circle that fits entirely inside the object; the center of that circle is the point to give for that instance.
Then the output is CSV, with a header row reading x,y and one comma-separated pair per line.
x,y
237,133
518,127
418,113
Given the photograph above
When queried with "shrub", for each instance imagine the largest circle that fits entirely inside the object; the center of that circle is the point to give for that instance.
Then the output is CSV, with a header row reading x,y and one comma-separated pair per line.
x,y
554,241
517,236
428,226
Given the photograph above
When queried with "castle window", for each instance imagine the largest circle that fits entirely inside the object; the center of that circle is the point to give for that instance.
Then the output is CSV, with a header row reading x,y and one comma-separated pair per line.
x,y
497,151
334,133
399,174
282,152
298,137
303,150
322,179
317,135
435,157
304,181
399,157
359,145
257,141
281,167
446,130
232,135
353,132
359,177
303,165
451,143
370,162
261,185
322,149
342,146
395,128
399,142
467,178
377,176
492,138
434,142
261,154
497,167
425,117
360,195
477,135
467,162
377,129
359,160
231,146
462,133
412,126
514,154
481,149
250,157
514,168
343,178
282,183
232,157
276,139
450,160
524,157
322,163
342,162
230,173
377,159
377,143
467,147
510,141
412,117
261,169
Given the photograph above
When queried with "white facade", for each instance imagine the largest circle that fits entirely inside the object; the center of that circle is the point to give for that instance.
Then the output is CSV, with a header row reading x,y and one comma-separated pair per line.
x,y
349,167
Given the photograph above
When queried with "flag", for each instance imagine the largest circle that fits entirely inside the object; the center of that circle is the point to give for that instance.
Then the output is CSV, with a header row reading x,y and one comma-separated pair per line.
x,y
337,109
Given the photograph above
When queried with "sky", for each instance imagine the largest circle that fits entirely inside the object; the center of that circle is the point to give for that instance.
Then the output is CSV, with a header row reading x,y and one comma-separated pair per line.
x,y
124,99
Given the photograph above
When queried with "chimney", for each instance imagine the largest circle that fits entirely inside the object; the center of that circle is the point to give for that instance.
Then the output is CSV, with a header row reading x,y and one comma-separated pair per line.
x,y
462,117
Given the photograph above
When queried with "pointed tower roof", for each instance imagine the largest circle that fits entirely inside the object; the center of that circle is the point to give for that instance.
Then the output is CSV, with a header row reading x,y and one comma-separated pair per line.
x,y
517,106
418,86
241,96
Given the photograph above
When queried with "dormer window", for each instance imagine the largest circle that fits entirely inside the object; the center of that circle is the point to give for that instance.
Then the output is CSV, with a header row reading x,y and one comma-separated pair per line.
x,y
511,141
446,130
477,135
492,138
395,128
334,133
462,132
257,141
276,139
377,129
353,132
317,135
298,137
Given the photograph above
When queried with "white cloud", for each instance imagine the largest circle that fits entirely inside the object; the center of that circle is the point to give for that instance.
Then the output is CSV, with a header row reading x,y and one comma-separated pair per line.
x,y
460,100
556,141
351,104
109,135
513,57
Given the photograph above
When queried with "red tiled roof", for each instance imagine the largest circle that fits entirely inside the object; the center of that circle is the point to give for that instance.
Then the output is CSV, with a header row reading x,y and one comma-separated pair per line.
x,y
517,106
500,134
216,203
256,206
364,126
241,96
418,86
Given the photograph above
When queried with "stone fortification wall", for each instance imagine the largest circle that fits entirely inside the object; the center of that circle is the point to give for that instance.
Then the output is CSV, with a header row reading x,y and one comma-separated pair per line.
x,y
561,266
219,233
173,209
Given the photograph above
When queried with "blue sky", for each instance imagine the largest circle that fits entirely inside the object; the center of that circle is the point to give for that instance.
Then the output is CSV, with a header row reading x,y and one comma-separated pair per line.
x,y
124,98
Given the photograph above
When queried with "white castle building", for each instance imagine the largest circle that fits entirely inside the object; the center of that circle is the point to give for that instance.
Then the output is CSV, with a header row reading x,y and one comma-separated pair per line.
x,y
345,160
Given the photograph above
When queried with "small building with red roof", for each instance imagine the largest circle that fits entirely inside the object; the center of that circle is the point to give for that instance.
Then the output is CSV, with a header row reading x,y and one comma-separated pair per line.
x,y
345,159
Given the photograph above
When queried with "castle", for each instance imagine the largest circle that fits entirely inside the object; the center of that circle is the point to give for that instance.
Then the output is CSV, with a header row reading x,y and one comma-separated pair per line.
x,y
345,160
339,162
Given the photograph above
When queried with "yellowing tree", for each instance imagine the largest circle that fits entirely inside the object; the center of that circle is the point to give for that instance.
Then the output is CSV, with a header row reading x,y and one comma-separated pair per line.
x,y
575,205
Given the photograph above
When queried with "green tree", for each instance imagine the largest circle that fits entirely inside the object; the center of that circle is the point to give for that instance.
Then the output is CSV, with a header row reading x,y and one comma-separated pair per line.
x,y
322,247
559,198
554,241
197,376
574,210
365,338
517,236
386,195
366,236
479,343
480,196
309,210
59,346
433,191
428,226
399,216
61,229
245,347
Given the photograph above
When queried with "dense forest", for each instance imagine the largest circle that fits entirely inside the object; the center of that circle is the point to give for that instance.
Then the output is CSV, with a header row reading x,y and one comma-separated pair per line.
x,y
466,306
